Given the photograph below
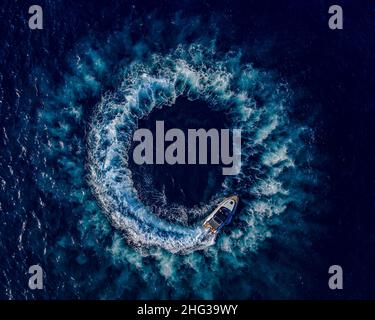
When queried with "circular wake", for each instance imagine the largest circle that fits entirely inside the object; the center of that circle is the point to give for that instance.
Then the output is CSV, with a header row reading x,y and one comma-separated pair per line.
x,y
250,98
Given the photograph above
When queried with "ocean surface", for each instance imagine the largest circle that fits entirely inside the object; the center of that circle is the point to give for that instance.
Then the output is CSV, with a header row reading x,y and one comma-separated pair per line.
x,y
73,201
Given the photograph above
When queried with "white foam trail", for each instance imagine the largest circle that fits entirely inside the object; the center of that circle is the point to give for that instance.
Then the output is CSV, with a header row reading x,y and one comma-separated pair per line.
x,y
158,83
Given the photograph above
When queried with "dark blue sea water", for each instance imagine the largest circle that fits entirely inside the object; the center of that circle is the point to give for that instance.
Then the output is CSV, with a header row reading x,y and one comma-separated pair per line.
x,y
102,227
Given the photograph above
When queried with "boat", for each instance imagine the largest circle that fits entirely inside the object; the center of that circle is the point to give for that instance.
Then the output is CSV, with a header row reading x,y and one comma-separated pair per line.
x,y
222,215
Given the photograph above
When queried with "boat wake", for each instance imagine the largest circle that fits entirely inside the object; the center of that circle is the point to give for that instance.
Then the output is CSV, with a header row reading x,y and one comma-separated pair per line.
x,y
250,98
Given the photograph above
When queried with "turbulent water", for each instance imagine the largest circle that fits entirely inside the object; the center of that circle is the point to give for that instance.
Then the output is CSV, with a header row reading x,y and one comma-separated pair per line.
x,y
79,206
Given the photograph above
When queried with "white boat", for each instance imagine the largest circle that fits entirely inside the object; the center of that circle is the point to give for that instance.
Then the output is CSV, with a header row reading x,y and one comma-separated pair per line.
x,y
222,215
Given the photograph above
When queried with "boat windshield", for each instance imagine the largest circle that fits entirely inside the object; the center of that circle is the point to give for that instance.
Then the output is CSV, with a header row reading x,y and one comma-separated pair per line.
x,y
221,215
